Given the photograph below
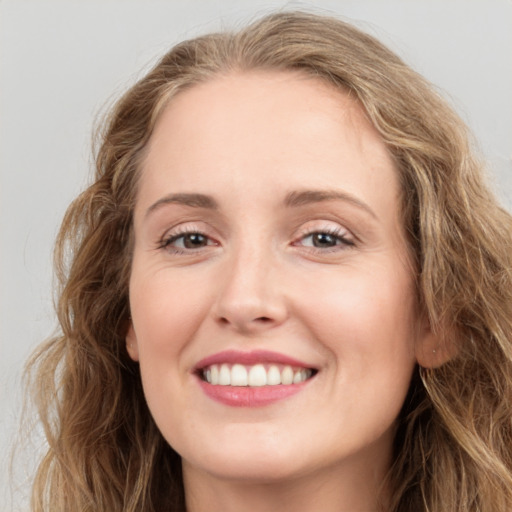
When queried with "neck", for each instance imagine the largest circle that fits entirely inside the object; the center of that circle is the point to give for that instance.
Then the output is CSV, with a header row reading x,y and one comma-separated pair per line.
x,y
336,489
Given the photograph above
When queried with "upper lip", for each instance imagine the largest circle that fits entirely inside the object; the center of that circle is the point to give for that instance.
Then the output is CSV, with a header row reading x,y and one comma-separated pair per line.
x,y
250,358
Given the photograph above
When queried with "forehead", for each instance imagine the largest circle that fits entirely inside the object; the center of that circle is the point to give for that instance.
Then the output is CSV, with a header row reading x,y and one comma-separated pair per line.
x,y
277,97
266,129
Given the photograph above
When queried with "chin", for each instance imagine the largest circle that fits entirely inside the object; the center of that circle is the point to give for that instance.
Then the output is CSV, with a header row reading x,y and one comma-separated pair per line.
x,y
248,459
261,470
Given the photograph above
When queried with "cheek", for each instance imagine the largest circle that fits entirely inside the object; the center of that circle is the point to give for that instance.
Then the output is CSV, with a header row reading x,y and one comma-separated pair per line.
x,y
166,315
369,334
366,323
166,312
363,307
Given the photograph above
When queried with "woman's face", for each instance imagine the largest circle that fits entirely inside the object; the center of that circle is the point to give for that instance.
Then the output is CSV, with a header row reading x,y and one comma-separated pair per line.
x,y
268,249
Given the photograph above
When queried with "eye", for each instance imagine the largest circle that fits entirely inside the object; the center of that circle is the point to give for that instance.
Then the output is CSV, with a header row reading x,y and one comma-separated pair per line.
x,y
186,242
325,239
189,241
321,240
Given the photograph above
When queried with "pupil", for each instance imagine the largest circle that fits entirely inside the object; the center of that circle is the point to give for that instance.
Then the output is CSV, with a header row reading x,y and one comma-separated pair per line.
x,y
194,240
323,240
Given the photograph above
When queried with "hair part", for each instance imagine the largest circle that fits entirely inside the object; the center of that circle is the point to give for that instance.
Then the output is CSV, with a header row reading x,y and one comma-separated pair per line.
x,y
453,448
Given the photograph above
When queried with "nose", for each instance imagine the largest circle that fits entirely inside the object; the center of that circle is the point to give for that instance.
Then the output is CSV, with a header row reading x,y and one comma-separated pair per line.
x,y
251,298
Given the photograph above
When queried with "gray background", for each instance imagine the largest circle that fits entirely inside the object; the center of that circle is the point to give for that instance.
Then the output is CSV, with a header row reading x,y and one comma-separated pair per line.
x,y
63,61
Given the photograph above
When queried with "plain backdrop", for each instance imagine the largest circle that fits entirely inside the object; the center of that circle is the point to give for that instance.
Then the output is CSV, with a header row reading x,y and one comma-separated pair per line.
x,y
62,62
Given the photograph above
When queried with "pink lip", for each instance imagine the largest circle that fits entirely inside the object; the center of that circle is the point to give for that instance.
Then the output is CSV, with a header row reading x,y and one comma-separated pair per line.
x,y
250,397
235,396
249,358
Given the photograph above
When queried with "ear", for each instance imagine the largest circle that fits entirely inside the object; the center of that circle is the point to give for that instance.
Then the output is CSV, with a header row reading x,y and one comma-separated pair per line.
x,y
433,349
132,346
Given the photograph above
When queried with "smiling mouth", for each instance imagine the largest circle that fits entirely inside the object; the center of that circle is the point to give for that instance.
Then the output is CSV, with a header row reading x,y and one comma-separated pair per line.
x,y
258,375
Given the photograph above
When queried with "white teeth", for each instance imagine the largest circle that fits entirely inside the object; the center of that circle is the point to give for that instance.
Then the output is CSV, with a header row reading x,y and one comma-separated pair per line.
x,y
225,375
273,376
301,375
214,375
287,375
257,375
254,376
238,375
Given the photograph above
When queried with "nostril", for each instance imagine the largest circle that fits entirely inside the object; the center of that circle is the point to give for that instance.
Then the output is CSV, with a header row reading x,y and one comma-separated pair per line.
x,y
259,319
262,319
246,322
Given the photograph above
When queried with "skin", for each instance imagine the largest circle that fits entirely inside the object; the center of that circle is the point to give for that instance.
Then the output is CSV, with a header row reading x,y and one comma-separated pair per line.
x,y
257,281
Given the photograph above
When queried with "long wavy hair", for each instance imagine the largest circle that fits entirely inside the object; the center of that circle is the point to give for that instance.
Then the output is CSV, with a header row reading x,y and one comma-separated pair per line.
x,y
453,446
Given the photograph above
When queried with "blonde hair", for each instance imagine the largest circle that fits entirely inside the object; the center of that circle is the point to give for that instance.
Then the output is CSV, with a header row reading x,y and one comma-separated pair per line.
x,y
453,447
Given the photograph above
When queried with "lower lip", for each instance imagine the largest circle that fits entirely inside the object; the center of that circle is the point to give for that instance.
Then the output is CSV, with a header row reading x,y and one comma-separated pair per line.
x,y
243,396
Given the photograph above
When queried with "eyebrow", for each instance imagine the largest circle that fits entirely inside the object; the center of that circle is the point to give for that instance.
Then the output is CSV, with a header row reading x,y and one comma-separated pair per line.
x,y
192,200
305,197
293,200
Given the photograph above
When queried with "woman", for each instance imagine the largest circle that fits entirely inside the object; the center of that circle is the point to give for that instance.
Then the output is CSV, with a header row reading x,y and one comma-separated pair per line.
x,y
287,287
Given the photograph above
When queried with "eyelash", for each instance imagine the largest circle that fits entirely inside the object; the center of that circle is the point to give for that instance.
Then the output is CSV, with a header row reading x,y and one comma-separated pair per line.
x,y
167,241
340,238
